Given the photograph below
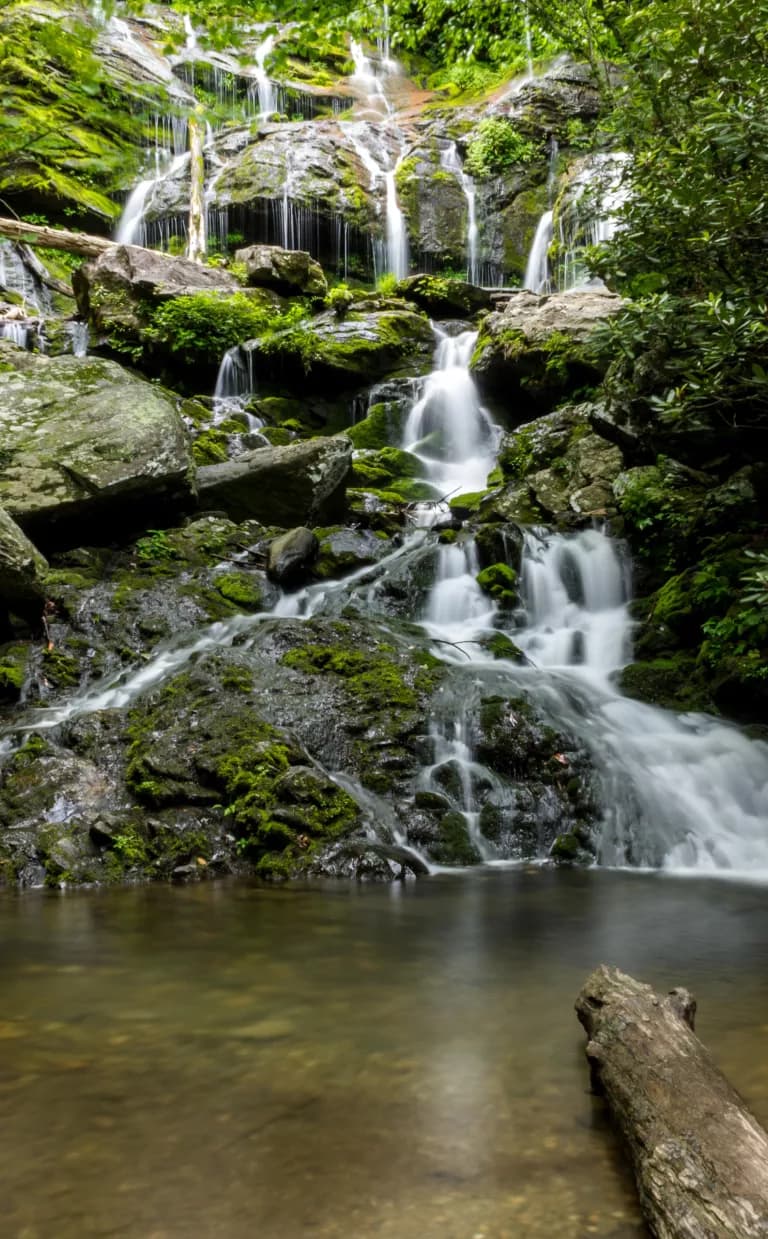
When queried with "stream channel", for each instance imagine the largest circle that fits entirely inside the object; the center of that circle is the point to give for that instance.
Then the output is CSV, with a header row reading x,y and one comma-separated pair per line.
x,y
397,1061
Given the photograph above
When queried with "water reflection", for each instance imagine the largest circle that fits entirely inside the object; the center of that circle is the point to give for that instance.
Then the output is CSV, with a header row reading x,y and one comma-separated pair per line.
x,y
344,1061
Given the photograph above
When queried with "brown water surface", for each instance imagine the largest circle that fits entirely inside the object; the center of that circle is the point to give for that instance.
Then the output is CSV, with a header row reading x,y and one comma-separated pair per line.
x,y
228,1061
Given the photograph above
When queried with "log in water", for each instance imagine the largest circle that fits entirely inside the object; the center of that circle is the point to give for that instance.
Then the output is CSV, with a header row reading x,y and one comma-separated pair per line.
x,y
700,1158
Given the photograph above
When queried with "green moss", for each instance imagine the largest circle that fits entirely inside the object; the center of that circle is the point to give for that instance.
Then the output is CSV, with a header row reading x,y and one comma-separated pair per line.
x,y
381,427
671,682
500,646
500,581
455,846
241,589
61,669
210,447
378,681
14,660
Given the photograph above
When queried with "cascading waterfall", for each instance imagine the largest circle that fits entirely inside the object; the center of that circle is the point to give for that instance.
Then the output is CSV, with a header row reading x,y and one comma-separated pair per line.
x,y
538,271
17,277
264,85
449,159
448,429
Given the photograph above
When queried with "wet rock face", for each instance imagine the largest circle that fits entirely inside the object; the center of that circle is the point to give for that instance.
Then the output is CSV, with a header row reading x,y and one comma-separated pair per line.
x,y
84,442
300,483
537,351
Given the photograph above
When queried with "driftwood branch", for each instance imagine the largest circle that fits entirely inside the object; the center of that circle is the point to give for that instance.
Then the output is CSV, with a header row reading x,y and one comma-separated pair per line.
x,y
54,238
700,1158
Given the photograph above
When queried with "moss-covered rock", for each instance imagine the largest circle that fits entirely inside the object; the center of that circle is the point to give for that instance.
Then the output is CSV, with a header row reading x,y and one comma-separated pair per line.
x,y
445,298
344,354
88,446
537,352
500,581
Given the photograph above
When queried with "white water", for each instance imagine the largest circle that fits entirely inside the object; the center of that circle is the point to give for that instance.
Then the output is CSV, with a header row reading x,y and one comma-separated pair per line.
x,y
449,159
17,277
264,85
78,334
537,271
189,31
678,792
447,428
397,235
364,78
16,330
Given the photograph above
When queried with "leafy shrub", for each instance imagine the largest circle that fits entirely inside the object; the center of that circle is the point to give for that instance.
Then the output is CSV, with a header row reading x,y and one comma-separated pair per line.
x,y
208,324
496,147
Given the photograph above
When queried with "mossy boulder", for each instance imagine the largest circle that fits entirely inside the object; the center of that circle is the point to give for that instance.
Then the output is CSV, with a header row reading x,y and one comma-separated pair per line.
x,y
333,354
556,467
538,351
287,271
500,581
22,568
88,446
445,298
342,550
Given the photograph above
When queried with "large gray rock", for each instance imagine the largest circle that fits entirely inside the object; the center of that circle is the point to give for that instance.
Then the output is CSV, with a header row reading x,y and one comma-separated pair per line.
x,y
115,287
22,567
287,271
303,483
538,350
89,450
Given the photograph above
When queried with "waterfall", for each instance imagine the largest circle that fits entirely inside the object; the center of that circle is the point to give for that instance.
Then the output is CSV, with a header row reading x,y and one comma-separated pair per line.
x,y
678,791
366,80
528,39
189,31
449,159
537,271
16,330
265,87
78,334
589,216
131,227
17,277
397,236
234,384
448,429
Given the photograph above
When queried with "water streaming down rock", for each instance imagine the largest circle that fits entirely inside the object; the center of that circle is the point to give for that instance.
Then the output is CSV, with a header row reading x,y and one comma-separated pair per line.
x,y
448,429
264,86
449,159
234,385
537,272
589,215
79,336
16,276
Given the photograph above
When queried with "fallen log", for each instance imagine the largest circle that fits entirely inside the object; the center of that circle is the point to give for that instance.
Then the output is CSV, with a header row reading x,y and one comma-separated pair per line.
x,y
700,1158
54,238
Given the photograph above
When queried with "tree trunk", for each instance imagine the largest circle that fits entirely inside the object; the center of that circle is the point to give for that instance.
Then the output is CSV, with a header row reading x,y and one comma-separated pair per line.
x,y
700,1158
196,232
54,238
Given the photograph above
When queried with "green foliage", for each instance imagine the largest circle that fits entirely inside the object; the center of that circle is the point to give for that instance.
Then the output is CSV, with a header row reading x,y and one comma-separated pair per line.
x,y
339,299
496,147
387,285
208,324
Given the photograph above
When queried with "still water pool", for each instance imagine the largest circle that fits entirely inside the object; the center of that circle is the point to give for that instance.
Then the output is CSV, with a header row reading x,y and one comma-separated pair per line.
x,y
403,1062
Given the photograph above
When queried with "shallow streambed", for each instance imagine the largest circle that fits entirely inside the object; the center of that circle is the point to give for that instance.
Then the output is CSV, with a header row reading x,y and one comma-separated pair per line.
x,y
227,1060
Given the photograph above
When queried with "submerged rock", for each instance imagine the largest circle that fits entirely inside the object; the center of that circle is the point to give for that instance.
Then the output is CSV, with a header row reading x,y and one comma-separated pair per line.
x,y
300,483
88,449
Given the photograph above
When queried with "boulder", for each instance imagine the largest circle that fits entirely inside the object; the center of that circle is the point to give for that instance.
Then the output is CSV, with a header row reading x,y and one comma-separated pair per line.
x,y
539,350
116,287
556,467
22,567
302,483
343,354
289,556
89,450
443,298
286,271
